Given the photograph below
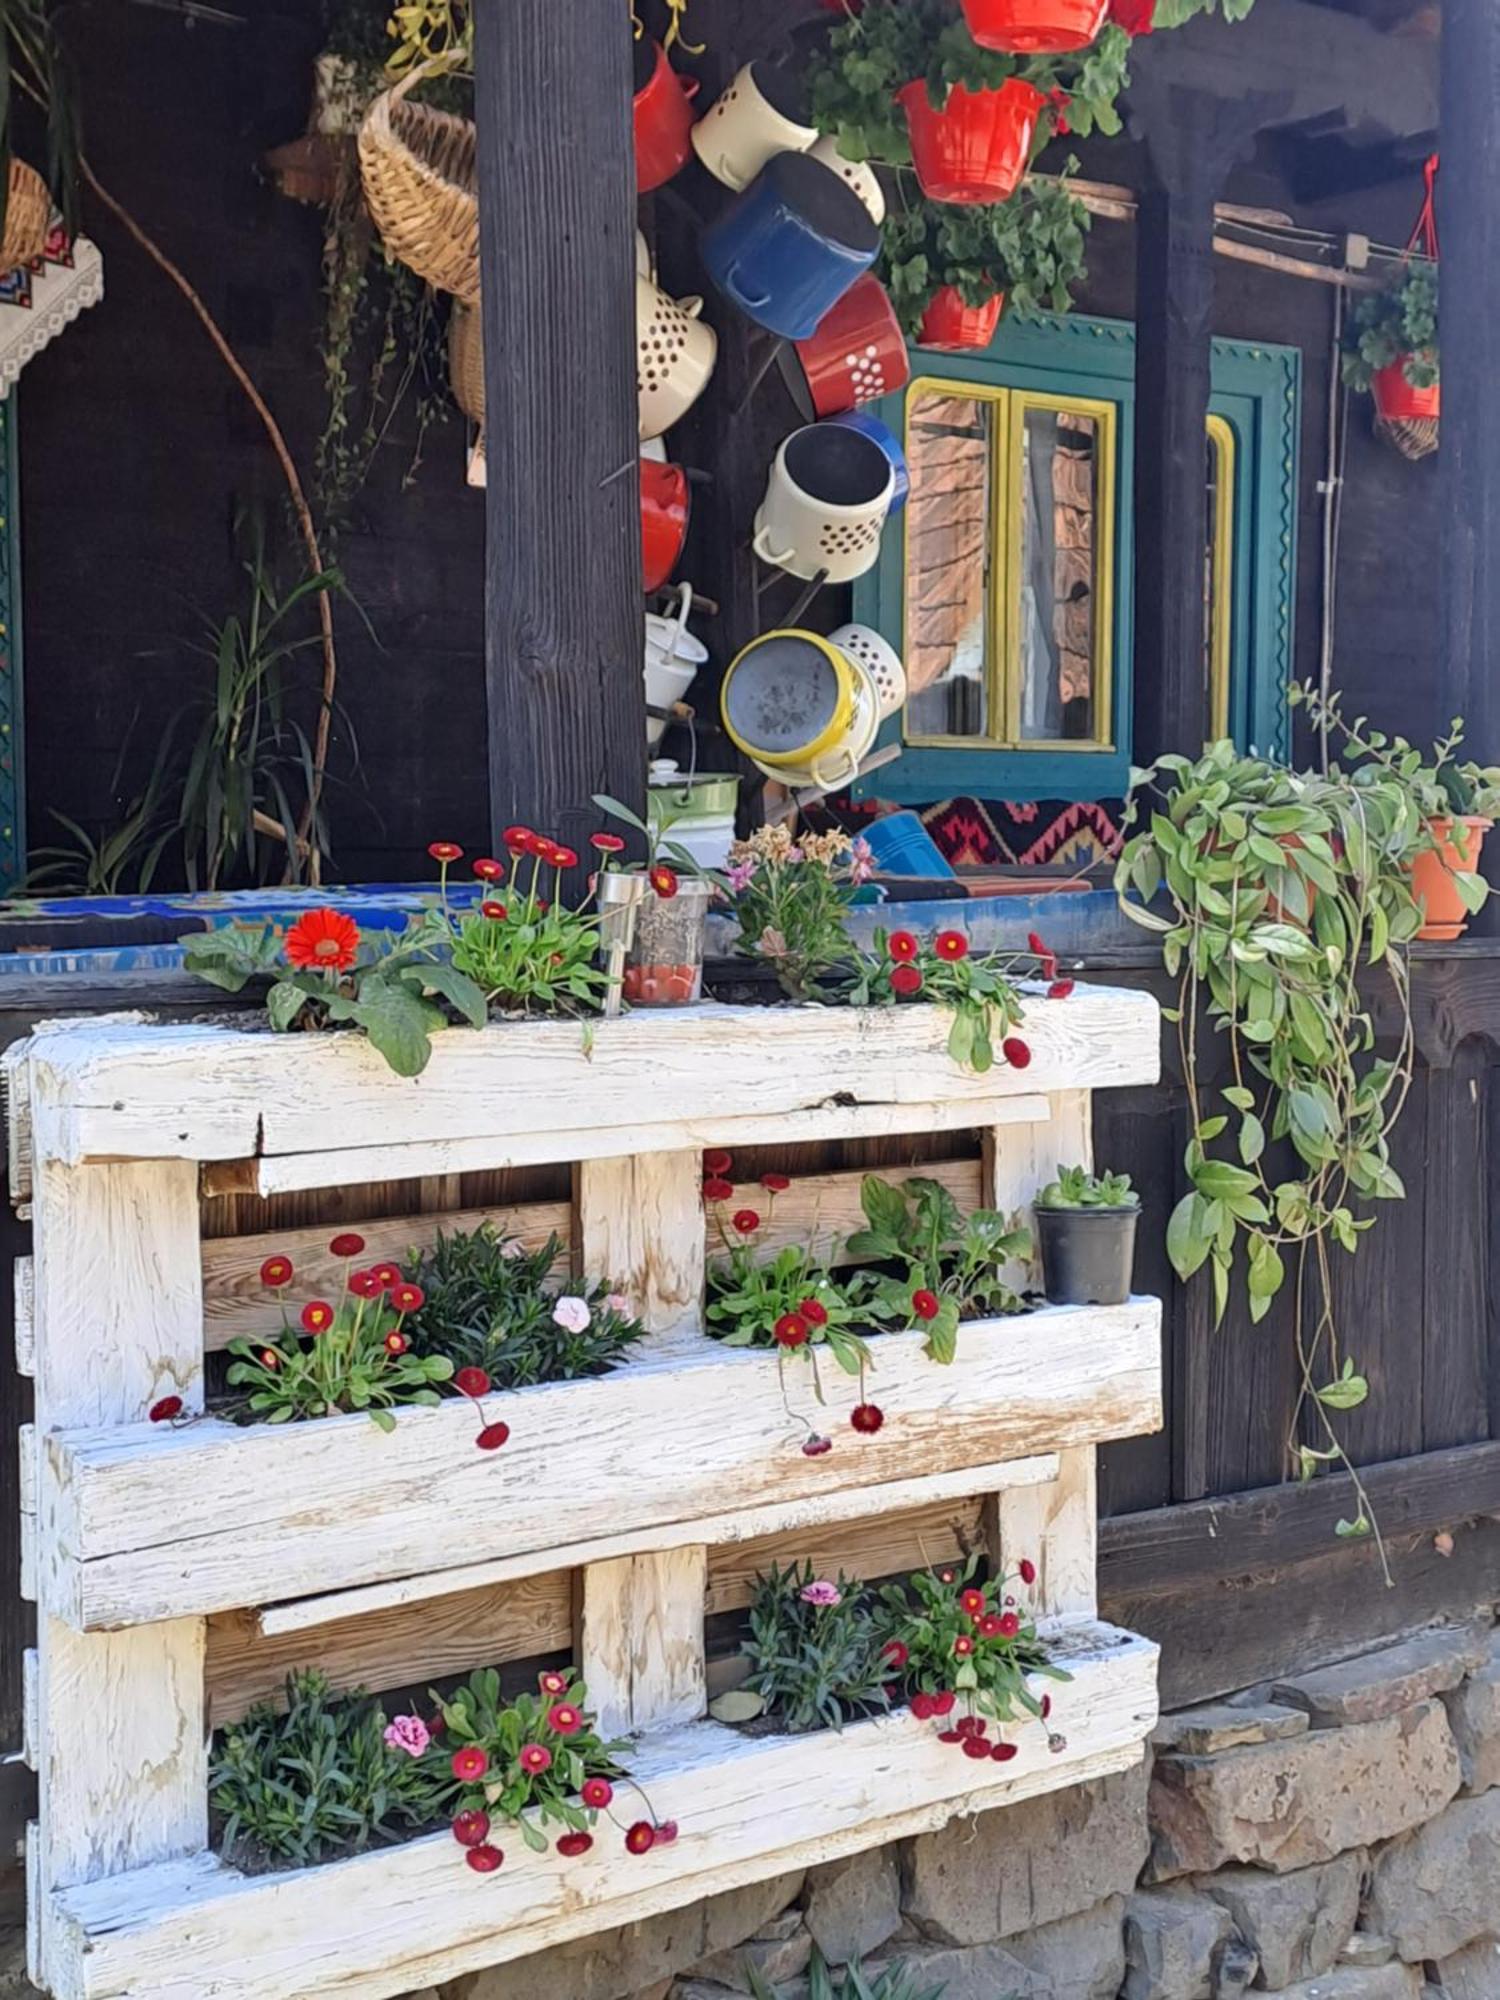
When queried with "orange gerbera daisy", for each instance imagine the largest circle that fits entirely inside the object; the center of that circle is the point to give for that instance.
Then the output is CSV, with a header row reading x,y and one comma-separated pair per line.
x,y
323,940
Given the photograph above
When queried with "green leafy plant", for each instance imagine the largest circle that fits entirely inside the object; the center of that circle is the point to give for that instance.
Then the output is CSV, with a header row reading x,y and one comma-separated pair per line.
x,y
316,1777
1076,1187
787,1300
852,1982
1276,889
954,1641
527,953
1399,323
952,1263
790,900
1030,248
814,1652
111,860
1176,13
490,1303
351,1354
979,990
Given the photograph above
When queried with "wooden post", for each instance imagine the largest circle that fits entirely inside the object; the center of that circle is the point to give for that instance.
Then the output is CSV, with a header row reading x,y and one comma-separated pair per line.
x,y
563,586
639,1638
1469,460
639,1226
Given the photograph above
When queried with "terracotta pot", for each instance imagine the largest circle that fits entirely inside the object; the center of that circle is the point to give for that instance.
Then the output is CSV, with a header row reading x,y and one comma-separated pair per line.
x,y
665,505
1459,844
954,327
857,353
1398,401
978,146
663,117
1035,27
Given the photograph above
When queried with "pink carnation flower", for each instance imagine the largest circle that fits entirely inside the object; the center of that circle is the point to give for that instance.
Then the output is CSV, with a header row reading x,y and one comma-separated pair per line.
x,y
822,1592
409,1733
571,1314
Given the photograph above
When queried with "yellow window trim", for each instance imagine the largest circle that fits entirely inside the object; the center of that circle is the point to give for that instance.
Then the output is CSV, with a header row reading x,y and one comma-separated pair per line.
x,y
1222,443
1003,597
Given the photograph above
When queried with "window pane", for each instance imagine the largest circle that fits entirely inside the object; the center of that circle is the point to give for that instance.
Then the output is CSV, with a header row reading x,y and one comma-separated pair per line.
x,y
1060,558
948,553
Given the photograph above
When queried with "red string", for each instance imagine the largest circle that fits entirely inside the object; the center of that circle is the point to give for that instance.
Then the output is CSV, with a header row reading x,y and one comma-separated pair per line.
x,y
1425,231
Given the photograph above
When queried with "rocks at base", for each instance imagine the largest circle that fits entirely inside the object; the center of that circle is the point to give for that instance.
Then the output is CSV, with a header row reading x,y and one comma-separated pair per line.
x,y
1298,1923
1379,1684
778,1951
852,1907
1171,1941
1438,1890
1079,1958
1220,1725
1354,1982
1474,1716
1474,1972
1367,1948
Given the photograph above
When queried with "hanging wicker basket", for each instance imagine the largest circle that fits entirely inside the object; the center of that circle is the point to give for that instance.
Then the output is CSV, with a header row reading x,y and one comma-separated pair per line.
x,y
421,184
1413,437
466,361
28,217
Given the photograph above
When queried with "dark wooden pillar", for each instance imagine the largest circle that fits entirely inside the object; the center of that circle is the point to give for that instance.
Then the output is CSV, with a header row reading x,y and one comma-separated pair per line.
x,y
563,591
1469,458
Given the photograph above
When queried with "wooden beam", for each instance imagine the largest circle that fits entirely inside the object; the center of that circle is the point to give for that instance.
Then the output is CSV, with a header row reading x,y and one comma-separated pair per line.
x,y
563,588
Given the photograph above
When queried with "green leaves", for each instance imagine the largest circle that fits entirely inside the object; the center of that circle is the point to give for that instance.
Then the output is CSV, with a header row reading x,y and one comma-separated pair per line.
x,y
1398,323
1347,1392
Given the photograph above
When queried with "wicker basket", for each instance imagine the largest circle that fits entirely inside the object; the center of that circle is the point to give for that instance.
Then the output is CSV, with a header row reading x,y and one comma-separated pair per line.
x,y
1413,437
466,361
421,184
28,217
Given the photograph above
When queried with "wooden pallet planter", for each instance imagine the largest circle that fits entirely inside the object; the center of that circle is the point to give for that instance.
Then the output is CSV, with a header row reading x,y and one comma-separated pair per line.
x,y
635,1483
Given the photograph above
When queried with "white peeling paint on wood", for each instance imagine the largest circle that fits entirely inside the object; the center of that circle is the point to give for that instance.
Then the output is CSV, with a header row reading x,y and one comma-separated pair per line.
x,y
640,1226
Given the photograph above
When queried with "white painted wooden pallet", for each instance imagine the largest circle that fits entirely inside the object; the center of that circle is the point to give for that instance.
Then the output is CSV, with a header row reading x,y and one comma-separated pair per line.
x,y
134,1532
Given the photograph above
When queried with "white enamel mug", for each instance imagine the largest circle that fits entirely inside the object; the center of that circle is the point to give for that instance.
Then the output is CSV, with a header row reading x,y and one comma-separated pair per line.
x,y
826,502
675,353
858,173
880,660
758,116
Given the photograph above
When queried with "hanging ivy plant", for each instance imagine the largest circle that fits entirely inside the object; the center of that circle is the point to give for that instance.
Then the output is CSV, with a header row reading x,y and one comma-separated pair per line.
x,y
1397,324
1031,248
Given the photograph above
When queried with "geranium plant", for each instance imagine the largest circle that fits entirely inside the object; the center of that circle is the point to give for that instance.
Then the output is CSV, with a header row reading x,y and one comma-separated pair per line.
x,y
1398,323
1030,248
950,1266
790,897
342,1355
814,1652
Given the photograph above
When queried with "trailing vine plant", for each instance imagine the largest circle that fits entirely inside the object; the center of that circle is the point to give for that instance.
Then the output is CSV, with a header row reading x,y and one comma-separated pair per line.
x,y
1271,892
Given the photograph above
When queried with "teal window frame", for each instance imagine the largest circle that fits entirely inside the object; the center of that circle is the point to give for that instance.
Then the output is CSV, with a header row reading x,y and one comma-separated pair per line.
x,y
1256,387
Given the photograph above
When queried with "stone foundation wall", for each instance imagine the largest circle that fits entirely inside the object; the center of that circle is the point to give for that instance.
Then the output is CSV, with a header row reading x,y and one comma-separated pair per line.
x,y
1334,1836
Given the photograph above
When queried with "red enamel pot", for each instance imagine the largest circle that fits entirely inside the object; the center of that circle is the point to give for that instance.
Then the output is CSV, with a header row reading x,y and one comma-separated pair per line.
x,y
1035,27
1399,401
956,327
663,117
666,502
858,352
978,146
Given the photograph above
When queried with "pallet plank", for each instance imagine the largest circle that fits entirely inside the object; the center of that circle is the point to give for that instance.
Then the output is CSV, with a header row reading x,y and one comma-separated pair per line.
x,y
639,1223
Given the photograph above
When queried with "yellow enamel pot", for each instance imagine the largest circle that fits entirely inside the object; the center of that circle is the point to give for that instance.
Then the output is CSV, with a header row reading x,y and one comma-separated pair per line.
x,y
789,698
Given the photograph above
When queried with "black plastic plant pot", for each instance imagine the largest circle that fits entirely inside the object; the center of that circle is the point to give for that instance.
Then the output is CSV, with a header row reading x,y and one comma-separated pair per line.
x,y
1087,1254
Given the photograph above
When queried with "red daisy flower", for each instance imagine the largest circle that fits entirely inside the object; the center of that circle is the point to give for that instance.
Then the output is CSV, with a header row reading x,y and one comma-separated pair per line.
x,y
963,1645
396,1342
489,870
348,1245
607,843
494,911
945,1576
408,1298
365,1285
717,1163
640,1838
989,1626
790,1330
973,1726
816,1446
950,1736
469,1764
563,857
1003,1752
775,1183
813,1311
975,1746
971,1602
951,945
535,1757
1059,989
325,940
539,844
388,1274
317,1316
1016,1052
1026,1570
942,1704
902,947
565,1719
922,1708
746,1221
471,1828
717,1190
550,1683
163,1411
1034,943
924,1304
276,1271
484,1860
269,1358
1010,1625
666,1833
906,979
570,1845
596,1793
664,882
445,851
867,1418
472,1382
895,1653
516,838
492,1437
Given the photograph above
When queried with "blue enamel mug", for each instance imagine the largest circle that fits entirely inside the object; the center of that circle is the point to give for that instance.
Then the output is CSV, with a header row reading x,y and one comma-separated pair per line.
x,y
890,444
791,245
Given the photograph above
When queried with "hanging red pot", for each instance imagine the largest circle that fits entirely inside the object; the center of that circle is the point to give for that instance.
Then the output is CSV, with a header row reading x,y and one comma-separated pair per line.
x,y
666,502
663,117
956,327
1035,27
978,146
858,352
1400,401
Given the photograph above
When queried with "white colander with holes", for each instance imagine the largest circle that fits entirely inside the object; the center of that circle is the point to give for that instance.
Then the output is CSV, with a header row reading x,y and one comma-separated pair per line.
x,y
858,173
880,660
674,356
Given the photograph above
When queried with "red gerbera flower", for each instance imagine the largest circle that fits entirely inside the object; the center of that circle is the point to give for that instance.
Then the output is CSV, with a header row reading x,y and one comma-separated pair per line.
x,y
906,979
596,1793
326,940
388,1274
317,1316
1026,1570
494,911
902,947
163,1410
924,1304
1016,1052
396,1342
607,843
517,838
1059,989
867,1418
489,870
534,1757
470,1828
472,1382
952,945
565,1719
445,850
1010,1625
469,1764
484,1860
717,1190
492,1437
718,1162
563,857
989,1627
746,1221
276,1271
972,1602
775,1183
569,1845
348,1245
408,1298
640,1838
895,1652
813,1311
663,881
539,844
365,1285
790,1330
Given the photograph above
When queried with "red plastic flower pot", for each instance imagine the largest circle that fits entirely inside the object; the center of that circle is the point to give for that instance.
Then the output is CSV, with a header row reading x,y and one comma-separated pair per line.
x,y
665,504
663,117
858,352
1398,401
956,328
978,146
1035,27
